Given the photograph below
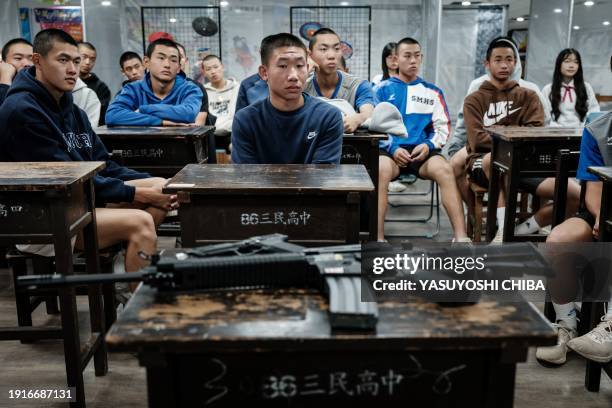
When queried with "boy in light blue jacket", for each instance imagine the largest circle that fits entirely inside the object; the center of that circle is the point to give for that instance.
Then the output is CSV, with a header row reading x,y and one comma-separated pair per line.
x,y
162,98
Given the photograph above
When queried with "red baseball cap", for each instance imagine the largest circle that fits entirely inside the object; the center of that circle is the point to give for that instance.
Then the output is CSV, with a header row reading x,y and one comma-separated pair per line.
x,y
158,35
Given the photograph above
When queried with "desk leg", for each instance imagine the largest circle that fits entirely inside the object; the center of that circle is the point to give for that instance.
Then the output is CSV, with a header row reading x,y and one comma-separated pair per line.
x,y
373,206
96,307
605,214
70,323
511,191
560,195
493,193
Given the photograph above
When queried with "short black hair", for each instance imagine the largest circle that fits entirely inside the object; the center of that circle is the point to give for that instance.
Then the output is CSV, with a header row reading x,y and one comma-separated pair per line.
x,y
88,45
162,41
211,56
320,31
501,42
407,41
128,55
45,39
10,43
272,42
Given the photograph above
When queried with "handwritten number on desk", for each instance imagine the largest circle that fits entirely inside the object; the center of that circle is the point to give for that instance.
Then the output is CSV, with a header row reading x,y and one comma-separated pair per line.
x,y
220,390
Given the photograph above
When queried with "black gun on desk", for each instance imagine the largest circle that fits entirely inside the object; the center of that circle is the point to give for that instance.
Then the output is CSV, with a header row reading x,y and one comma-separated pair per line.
x,y
260,262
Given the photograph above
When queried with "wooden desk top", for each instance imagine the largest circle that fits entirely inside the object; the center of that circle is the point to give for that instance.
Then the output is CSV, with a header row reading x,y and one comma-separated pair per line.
x,y
364,135
153,131
270,178
604,173
520,133
284,320
35,176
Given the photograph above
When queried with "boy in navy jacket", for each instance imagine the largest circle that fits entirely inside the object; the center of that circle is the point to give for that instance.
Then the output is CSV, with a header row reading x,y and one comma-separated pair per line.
x,y
163,98
288,126
40,122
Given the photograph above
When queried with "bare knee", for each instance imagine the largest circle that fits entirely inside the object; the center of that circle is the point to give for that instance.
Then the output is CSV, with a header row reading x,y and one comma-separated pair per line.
x,y
141,227
572,230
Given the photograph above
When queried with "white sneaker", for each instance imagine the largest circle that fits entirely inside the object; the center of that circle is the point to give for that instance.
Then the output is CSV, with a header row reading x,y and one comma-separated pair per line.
x,y
596,345
465,241
557,354
396,187
545,230
498,238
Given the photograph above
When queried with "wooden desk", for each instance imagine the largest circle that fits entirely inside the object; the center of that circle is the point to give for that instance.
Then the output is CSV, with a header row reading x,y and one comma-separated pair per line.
x,y
523,152
49,203
362,148
275,349
159,151
312,204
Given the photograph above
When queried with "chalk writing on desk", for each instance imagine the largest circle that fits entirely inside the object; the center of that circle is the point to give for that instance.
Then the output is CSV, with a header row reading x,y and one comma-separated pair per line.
x,y
144,153
294,218
350,155
5,210
384,383
545,159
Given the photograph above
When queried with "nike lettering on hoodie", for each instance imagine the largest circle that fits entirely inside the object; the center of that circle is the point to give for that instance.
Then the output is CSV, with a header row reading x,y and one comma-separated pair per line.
x,y
498,111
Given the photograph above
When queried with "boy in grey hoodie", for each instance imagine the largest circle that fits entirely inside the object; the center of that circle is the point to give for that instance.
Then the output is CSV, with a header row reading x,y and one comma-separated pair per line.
x,y
222,94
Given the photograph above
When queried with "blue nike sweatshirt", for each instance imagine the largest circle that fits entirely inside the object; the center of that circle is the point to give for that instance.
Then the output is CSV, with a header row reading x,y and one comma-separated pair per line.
x,y
312,134
36,128
137,105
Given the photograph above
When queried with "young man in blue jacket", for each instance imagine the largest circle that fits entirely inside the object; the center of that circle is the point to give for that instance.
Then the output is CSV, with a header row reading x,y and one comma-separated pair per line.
x,y
40,122
426,118
288,126
163,98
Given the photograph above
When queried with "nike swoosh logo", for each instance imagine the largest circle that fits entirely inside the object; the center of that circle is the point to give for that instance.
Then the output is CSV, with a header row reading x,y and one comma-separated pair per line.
x,y
490,121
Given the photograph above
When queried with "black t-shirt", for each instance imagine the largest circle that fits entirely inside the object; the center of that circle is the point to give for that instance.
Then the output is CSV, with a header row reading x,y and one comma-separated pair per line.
x,y
104,94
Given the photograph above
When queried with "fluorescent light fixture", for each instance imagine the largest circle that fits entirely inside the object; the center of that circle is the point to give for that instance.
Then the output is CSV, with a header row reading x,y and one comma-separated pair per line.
x,y
344,3
106,3
557,10
606,23
172,20
224,3
520,19
589,3
576,27
466,3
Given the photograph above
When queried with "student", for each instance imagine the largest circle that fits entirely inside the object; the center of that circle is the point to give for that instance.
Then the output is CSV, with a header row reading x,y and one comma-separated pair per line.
x,y
289,126
162,98
251,90
569,98
500,101
222,93
16,55
86,99
41,123
203,115
342,65
329,82
389,64
596,345
88,62
426,118
455,147
132,67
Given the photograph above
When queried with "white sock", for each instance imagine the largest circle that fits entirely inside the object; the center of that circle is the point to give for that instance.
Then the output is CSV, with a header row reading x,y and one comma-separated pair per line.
x,y
501,215
567,313
530,226
609,312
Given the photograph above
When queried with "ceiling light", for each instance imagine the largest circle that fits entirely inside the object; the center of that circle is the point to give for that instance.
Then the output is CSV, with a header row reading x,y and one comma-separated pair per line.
x,y
576,27
520,19
466,3
224,3
606,23
106,3
557,10
172,20
344,3
589,3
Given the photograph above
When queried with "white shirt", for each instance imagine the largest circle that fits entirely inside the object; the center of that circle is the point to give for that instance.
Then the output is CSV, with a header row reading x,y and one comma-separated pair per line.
x,y
567,106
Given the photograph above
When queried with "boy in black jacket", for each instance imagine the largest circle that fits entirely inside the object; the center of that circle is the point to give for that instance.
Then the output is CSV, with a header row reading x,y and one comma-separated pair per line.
x,y
39,122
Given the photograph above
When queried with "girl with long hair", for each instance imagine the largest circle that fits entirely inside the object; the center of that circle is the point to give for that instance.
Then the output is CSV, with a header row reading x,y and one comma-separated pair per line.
x,y
389,64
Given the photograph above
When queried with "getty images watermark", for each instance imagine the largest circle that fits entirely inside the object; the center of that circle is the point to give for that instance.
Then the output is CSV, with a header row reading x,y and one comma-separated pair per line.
x,y
465,274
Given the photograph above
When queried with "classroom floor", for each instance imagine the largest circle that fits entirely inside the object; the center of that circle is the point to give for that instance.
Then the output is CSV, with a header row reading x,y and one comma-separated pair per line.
x,y
41,364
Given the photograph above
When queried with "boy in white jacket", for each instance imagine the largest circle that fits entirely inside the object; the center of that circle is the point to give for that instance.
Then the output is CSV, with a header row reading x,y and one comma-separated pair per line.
x,y
222,94
86,99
